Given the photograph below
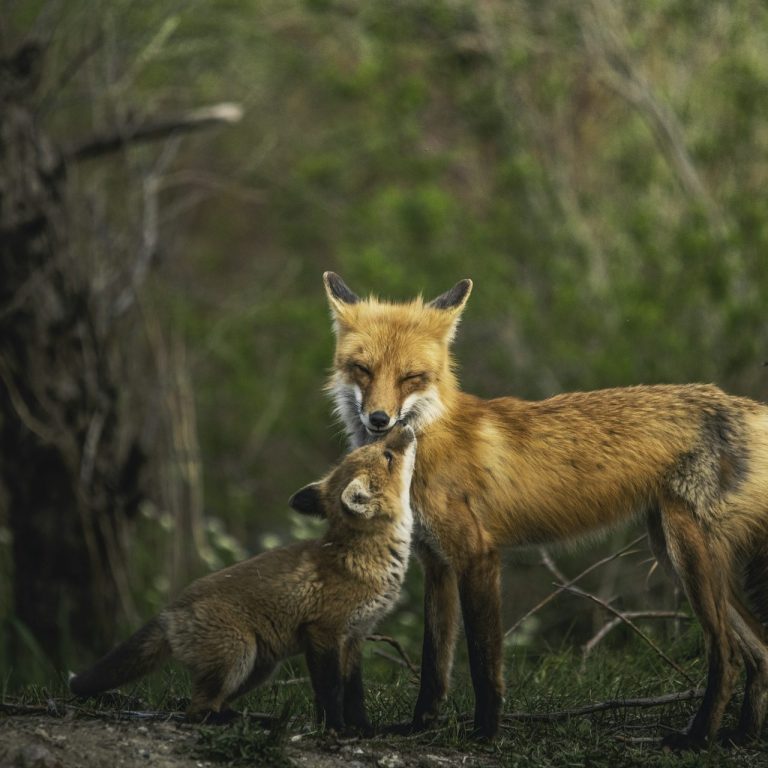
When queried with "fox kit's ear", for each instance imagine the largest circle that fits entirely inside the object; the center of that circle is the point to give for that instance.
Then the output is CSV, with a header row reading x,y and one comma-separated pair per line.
x,y
452,302
357,496
308,500
341,298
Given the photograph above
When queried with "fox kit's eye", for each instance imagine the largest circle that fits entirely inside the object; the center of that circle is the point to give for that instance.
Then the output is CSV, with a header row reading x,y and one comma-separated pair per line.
x,y
389,456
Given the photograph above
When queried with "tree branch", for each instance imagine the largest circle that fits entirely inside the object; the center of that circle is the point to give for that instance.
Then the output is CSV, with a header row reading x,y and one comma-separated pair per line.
x,y
590,645
623,551
619,615
152,130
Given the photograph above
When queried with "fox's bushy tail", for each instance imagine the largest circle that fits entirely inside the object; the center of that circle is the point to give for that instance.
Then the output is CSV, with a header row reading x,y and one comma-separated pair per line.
x,y
132,659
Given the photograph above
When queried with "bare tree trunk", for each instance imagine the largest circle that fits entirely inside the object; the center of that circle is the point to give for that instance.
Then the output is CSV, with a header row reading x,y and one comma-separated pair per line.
x,y
70,477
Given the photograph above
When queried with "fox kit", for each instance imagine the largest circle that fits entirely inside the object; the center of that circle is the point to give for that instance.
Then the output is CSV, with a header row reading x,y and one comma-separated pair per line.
x,y
322,597
691,459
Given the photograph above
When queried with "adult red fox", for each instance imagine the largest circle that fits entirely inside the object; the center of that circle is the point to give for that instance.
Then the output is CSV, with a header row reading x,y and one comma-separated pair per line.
x,y
233,627
691,459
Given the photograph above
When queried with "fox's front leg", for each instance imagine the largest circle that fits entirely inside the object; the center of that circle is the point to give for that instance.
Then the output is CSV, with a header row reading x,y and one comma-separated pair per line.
x,y
441,613
325,671
480,591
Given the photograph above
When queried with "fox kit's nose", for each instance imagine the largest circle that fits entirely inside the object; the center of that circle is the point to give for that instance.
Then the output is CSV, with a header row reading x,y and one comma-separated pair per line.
x,y
379,419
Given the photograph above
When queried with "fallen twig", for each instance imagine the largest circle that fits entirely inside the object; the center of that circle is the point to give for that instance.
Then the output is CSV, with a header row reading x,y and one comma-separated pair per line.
x,y
62,708
561,588
602,706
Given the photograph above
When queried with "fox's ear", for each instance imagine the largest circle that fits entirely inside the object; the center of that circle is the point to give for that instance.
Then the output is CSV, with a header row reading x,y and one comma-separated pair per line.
x,y
455,299
452,303
308,501
356,498
341,298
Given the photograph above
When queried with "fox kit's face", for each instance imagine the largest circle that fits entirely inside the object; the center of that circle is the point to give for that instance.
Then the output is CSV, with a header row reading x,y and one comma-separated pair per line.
x,y
392,361
371,484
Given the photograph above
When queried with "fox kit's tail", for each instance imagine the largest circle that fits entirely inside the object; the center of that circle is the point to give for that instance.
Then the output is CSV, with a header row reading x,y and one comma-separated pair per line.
x,y
137,656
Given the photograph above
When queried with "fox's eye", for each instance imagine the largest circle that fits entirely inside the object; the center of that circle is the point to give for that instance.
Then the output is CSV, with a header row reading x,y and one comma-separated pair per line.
x,y
390,458
360,368
413,376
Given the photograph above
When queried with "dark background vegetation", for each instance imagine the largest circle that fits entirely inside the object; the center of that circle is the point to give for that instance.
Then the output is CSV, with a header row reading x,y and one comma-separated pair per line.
x,y
598,168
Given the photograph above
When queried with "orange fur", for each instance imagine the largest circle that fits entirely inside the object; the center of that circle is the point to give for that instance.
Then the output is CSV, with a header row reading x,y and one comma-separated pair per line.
x,y
492,473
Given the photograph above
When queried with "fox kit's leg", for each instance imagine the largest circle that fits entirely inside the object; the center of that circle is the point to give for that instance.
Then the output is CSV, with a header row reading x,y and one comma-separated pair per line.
x,y
323,653
355,715
480,591
216,682
441,615
220,659
702,575
261,671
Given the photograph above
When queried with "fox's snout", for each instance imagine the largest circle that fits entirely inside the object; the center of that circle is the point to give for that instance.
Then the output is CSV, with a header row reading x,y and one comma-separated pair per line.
x,y
378,421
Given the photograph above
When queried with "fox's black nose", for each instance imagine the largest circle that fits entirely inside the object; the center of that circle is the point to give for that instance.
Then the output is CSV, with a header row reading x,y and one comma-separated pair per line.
x,y
379,419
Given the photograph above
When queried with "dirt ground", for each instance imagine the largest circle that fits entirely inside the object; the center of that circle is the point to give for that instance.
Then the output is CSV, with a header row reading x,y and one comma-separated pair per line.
x,y
42,741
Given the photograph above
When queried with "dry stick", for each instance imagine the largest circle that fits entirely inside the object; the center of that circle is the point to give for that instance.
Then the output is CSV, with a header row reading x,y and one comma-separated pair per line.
x,y
551,566
590,645
398,647
53,710
631,625
623,551
620,618
602,706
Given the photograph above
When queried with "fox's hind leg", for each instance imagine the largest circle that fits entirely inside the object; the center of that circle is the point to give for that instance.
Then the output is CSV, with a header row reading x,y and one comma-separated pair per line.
x,y
704,577
755,655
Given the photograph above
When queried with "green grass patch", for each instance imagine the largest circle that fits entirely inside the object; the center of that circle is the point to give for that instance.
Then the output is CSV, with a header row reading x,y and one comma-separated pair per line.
x,y
546,683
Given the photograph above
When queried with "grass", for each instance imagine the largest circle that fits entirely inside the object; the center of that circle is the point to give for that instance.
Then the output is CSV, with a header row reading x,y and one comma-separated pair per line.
x,y
538,683
243,743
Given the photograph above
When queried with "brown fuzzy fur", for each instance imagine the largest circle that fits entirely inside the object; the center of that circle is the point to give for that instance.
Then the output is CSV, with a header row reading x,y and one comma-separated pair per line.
x,y
233,627
492,473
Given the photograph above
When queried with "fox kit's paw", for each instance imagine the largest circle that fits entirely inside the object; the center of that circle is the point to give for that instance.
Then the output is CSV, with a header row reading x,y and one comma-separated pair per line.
x,y
209,717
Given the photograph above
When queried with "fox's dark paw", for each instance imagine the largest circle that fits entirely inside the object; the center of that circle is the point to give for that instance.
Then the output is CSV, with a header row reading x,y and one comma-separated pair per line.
x,y
679,741
734,737
483,732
